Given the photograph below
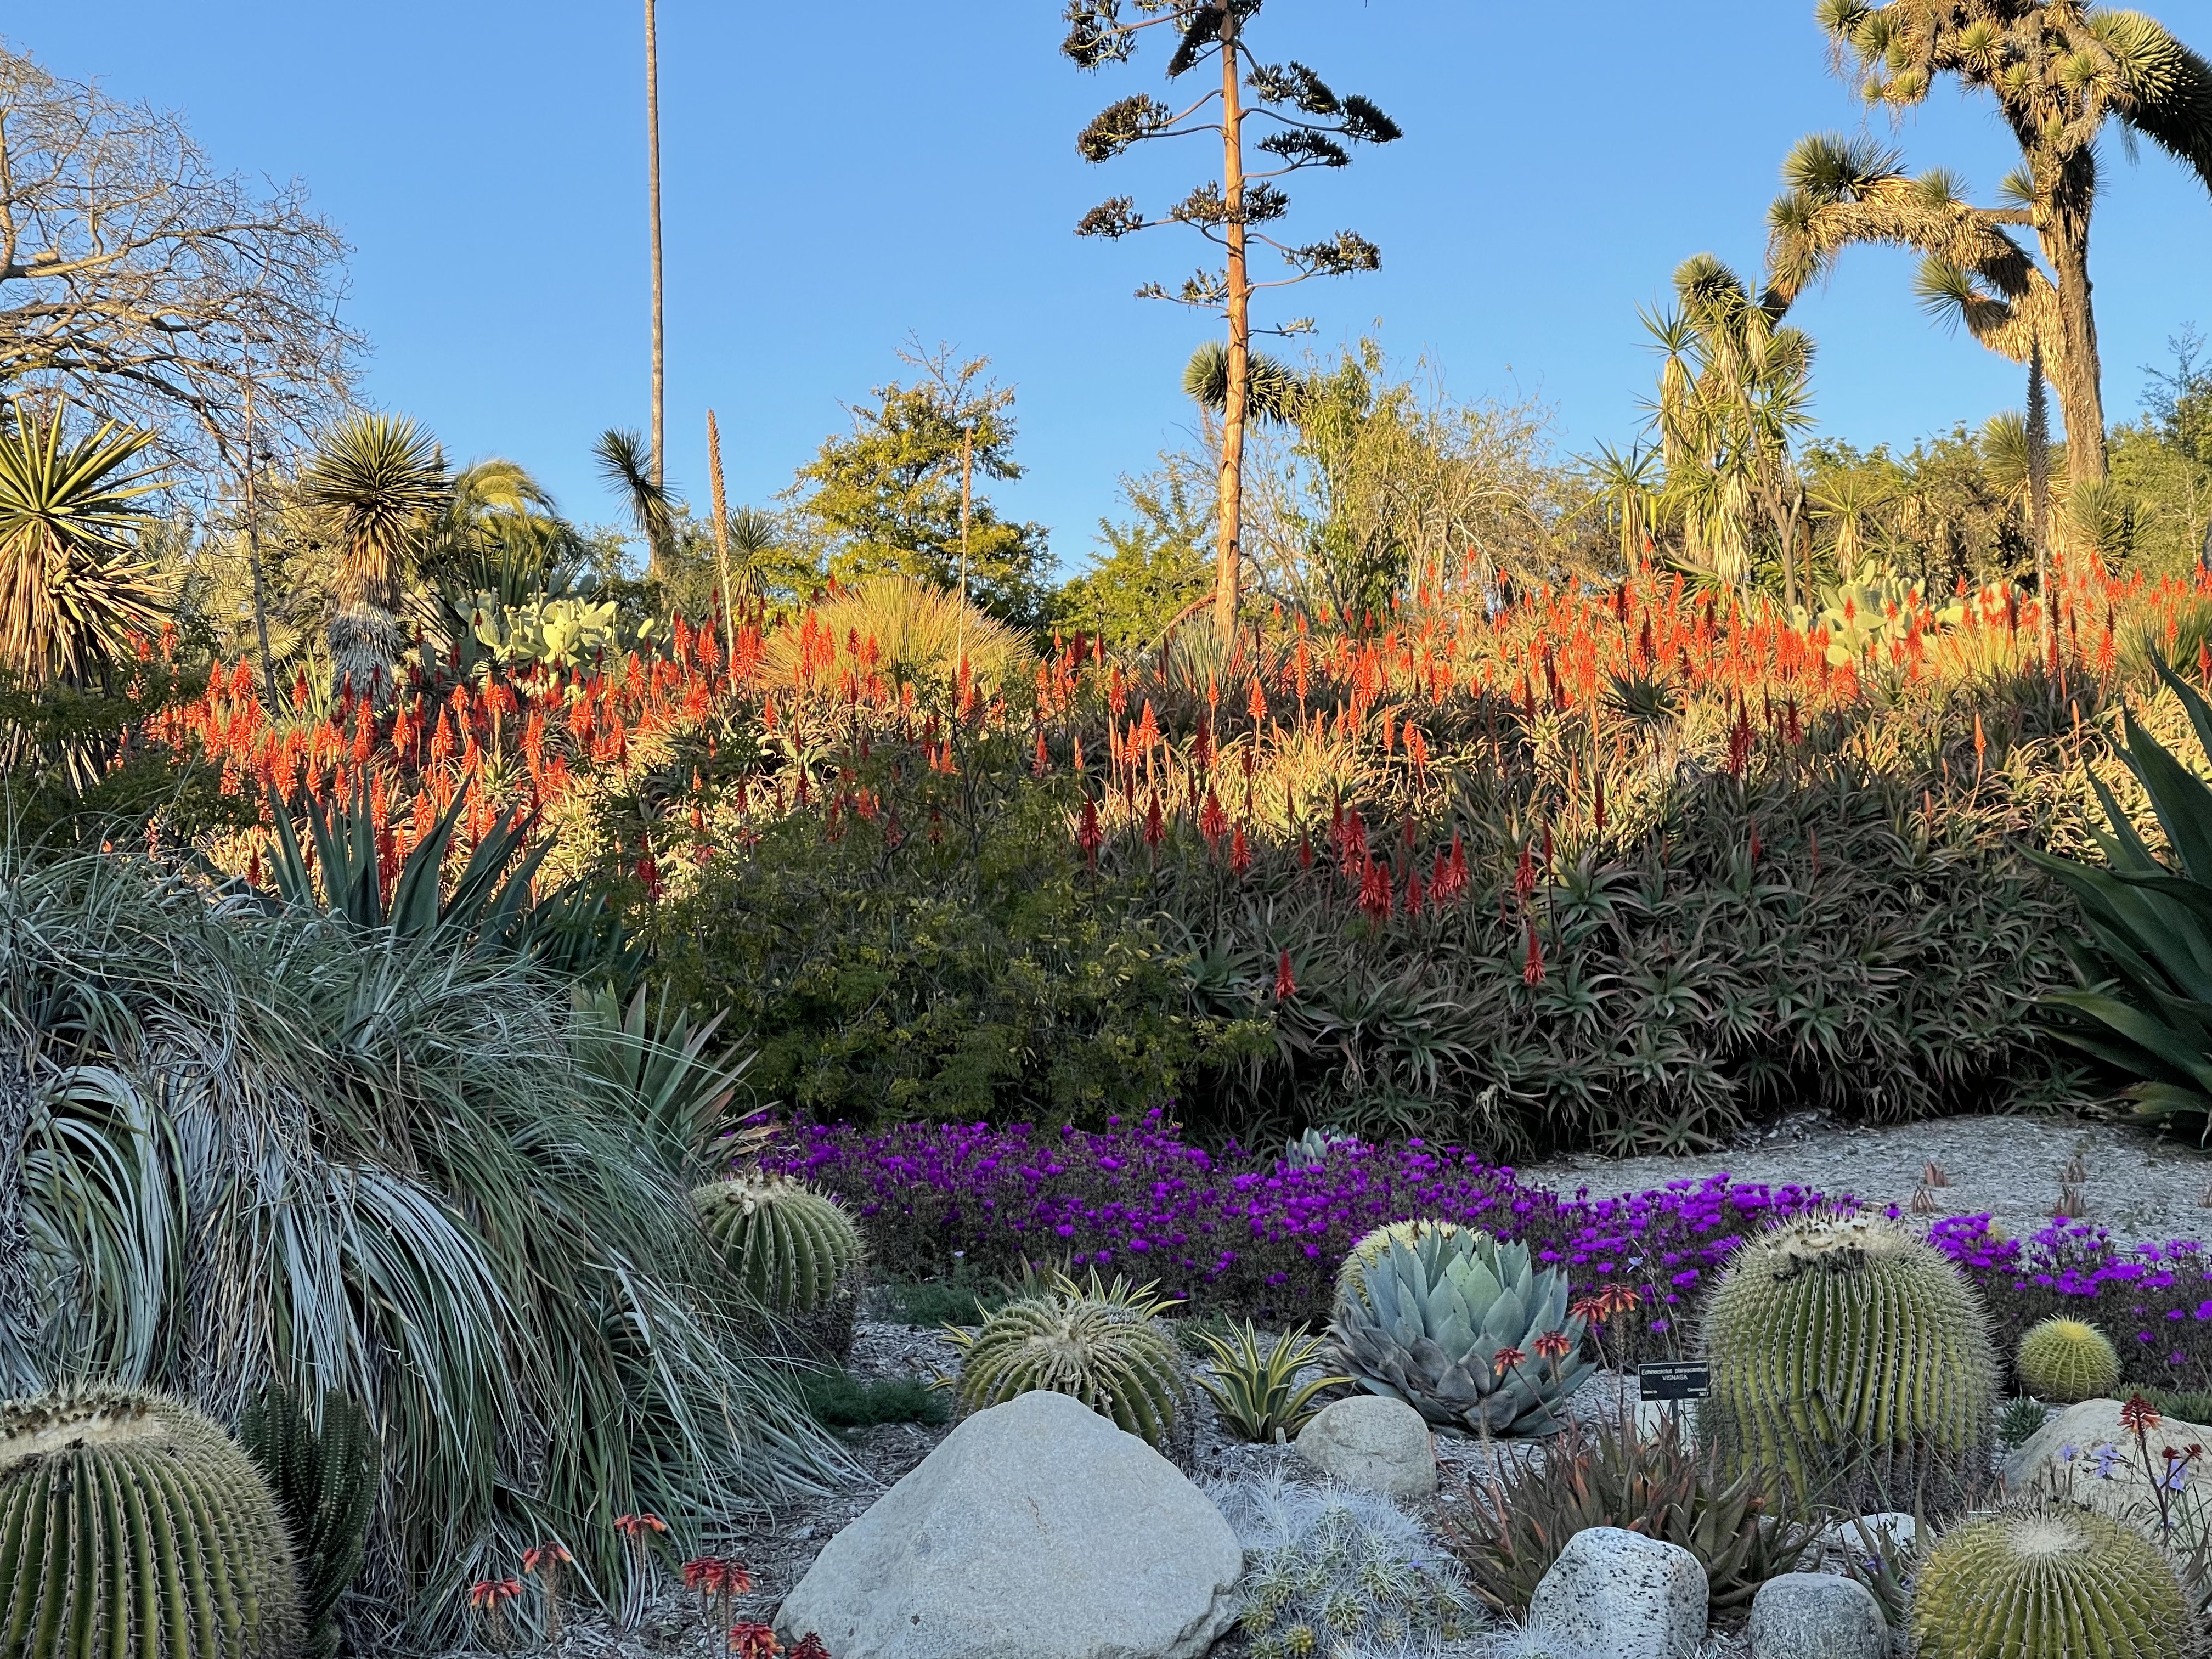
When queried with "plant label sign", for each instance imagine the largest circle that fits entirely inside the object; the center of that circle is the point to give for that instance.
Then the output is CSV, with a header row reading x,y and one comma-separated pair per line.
x,y
1674,1379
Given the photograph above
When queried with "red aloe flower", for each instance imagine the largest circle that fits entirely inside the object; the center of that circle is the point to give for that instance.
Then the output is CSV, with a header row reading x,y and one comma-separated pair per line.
x,y
1555,1344
1212,821
1532,970
1286,986
1088,836
2139,1416
1506,1358
810,1647
1155,830
754,1642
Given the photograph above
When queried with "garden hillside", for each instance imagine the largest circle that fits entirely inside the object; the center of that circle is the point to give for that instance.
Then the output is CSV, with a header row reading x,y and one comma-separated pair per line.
x,y
1615,867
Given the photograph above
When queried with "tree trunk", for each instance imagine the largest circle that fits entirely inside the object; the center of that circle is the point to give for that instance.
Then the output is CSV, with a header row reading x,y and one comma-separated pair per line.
x,y
1230,529
2062,226
652,191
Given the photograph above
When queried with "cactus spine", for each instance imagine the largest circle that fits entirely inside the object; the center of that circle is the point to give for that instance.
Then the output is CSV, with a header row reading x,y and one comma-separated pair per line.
x,y
2067,1360
324,1482
1847,1354
132,1527
794,1247
2048,1583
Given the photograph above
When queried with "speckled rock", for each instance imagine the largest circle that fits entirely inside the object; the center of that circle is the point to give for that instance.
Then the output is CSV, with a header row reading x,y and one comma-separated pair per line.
x,y
1816,1615
1622,1594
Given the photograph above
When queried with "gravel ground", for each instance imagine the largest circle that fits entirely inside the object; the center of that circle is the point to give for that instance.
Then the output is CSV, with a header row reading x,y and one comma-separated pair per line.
x,y
2140,1185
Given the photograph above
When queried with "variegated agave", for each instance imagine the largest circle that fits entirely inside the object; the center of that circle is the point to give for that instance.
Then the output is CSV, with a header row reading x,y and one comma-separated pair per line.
x,y
1467,1332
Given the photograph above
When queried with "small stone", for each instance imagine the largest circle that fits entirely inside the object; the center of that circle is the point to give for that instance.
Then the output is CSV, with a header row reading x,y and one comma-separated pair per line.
x,y
1816,1615
1374,1444
1621,1594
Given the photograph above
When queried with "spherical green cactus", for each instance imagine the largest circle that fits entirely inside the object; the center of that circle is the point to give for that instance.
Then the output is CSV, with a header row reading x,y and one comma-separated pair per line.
x,y
129,1525
2065,1360
794,1247
2048,1583
1849,1357
1101,1344
1374,1246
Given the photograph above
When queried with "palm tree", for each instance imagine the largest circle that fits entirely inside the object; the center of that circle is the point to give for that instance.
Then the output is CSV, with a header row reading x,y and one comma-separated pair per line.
x,y
72,590
2059,70
631,468
380,480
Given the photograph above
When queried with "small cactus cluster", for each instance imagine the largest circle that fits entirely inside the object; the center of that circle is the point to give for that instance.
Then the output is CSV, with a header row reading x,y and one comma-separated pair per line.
x,y
1844,1350
131,1525
1330,1571
1102,1344
325,1482
2048,1582
2067,1360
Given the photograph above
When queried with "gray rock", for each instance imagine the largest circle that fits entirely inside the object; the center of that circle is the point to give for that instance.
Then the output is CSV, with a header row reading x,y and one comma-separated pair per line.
x,y
2061,1457
1622,1594
1374,1444
1816,1615
1036,1530
1902,1530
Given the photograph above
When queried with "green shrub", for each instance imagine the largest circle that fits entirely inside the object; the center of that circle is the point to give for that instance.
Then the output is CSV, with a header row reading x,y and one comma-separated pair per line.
x,y
2048,1582
324,1480
130,1524
1848,1355
839,1399
1103,1344
1509,1533
963,1298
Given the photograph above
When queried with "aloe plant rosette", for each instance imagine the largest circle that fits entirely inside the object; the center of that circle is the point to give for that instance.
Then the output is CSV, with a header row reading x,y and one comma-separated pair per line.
x,y
1466,1331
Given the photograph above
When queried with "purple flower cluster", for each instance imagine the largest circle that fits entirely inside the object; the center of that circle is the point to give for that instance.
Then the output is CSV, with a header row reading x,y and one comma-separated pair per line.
x,y
1233,1231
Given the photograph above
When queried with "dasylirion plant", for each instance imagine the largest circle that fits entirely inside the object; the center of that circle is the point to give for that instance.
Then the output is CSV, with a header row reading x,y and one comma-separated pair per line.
x,y
1466,1331
2065,1360
131,1525
1373,1247
1328,1570
794,1247
2050,1582
325,1482
1103,1343
1847,1355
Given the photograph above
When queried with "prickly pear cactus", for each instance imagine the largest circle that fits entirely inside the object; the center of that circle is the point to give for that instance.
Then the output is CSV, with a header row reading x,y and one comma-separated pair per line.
x,y
1850,1358
132,1527
2066,1360
2048,1583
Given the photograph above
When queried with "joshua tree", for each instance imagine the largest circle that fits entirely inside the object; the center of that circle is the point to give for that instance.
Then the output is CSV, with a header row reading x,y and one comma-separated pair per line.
x,y
2059,70
380,479
1308,126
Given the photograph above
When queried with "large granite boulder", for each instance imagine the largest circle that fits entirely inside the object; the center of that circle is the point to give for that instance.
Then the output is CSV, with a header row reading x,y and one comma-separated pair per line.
x,y
1816,1615
1037,1530
1619,1593
1372,1443
2087,1454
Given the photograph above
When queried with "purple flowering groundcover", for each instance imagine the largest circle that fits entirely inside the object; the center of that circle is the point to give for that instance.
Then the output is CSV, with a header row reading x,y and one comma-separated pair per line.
x,y
1238,1233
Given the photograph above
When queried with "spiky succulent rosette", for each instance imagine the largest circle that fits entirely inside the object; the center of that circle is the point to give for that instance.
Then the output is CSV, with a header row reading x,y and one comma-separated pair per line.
x,y
1102,1344
129,1525
1373,1247
2048,1582
1848,1354
2067,1360
1466,1331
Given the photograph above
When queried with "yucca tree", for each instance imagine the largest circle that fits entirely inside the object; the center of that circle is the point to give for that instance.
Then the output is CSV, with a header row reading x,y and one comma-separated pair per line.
x,y
380,480
631,468
72,590
1847,501
2059,70
1627,489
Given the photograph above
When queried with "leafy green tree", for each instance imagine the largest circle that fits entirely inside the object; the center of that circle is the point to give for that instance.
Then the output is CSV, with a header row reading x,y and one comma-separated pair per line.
x,y
2059,71
1152,567
380,480
886,497
2164,462
1307,125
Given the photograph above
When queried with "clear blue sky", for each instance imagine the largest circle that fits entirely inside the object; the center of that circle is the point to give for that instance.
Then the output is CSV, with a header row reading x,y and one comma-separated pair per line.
x,y
838,177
